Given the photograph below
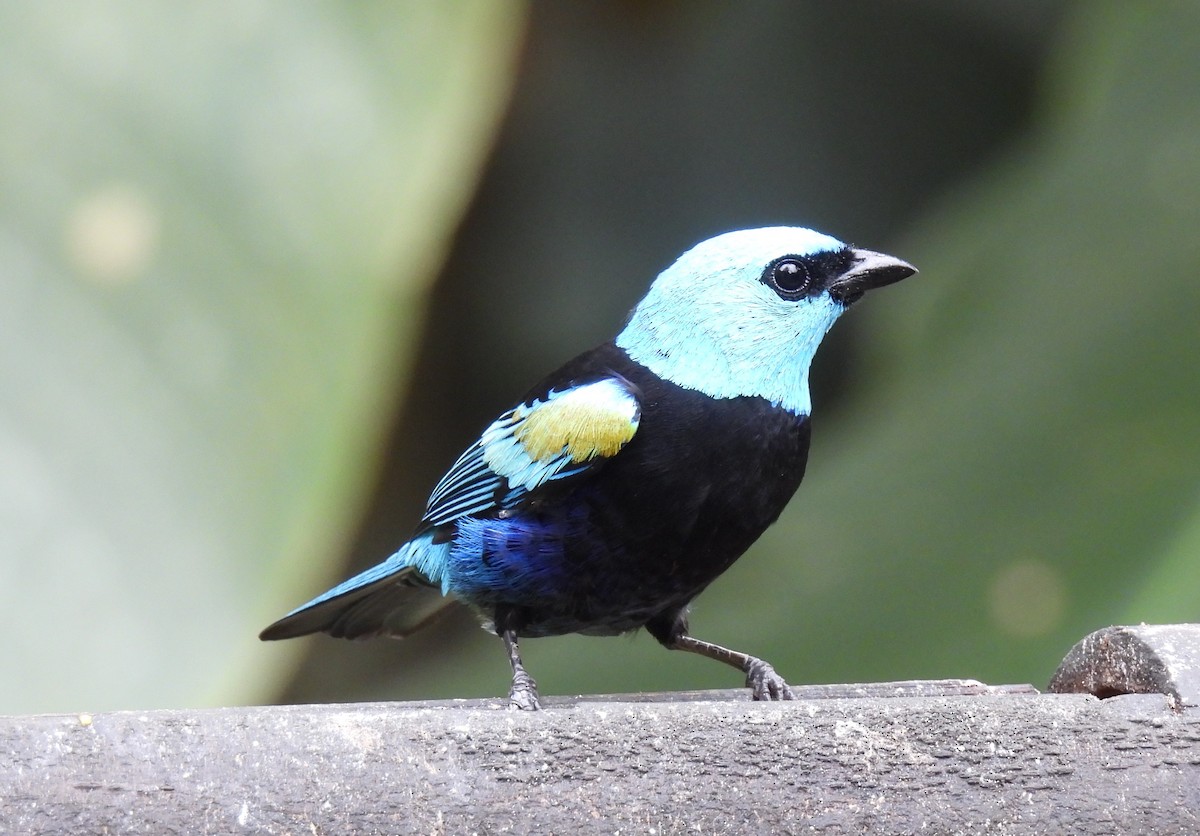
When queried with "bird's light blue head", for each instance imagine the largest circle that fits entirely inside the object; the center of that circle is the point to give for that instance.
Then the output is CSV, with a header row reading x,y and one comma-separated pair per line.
x,y
742,314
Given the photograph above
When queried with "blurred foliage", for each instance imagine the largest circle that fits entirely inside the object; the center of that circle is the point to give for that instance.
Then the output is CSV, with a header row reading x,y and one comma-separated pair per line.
x,y
216,224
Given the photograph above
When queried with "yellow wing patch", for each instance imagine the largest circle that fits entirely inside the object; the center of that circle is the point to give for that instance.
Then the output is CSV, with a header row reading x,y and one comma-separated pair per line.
x,y
594,420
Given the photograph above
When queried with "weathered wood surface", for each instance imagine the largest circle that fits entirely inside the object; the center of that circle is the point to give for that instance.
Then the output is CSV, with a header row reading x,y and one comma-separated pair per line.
x,y
976,761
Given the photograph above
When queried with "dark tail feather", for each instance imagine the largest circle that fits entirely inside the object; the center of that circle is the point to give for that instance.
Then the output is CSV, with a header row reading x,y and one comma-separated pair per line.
x,y
396,605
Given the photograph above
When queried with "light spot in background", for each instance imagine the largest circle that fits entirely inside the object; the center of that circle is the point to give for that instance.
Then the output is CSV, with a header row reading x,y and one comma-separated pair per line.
x,y
1027,598
112,235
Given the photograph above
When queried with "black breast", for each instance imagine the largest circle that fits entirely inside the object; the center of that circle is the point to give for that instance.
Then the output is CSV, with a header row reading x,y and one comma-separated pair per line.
x,y
697,485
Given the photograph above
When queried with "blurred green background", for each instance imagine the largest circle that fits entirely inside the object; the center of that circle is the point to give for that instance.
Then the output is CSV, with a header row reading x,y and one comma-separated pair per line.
x,y
267,267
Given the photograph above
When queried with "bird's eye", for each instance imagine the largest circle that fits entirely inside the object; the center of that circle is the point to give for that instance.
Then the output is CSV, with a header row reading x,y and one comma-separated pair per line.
x,y
789,277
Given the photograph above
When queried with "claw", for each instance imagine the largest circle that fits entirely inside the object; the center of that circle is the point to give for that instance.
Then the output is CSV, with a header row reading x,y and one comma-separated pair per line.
x,y
765,684
523,695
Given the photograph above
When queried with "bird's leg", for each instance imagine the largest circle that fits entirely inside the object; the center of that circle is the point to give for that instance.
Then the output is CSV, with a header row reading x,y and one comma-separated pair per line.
x,y
761,678
764,684
523,694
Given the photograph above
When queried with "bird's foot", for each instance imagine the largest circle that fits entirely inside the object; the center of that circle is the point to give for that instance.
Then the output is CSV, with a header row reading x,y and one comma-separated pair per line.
x,y
764,683
523,694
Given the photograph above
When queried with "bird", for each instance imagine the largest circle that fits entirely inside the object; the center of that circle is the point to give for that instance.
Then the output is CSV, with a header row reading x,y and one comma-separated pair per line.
x,y
624,483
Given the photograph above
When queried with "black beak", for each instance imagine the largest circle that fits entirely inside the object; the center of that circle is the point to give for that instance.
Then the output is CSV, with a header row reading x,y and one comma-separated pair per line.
x,y
868,271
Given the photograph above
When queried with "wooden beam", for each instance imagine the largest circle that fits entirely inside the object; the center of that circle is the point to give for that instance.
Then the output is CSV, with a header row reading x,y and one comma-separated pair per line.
x,y
932,757
942,756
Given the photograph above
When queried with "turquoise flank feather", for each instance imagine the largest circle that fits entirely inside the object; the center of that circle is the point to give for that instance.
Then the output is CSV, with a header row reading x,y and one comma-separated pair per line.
x,y
710,324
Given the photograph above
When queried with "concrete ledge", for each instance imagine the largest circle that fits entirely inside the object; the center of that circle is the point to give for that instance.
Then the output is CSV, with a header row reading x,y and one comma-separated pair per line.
x,y
937,757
